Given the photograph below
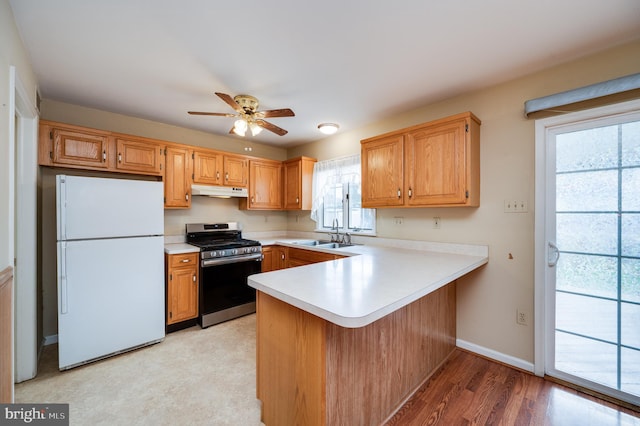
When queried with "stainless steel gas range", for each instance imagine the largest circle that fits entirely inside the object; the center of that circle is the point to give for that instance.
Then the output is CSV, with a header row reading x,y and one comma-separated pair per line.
x,y
226,260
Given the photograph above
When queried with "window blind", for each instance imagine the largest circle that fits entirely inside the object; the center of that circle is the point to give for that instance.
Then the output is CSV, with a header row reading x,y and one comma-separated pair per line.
x,y
607,92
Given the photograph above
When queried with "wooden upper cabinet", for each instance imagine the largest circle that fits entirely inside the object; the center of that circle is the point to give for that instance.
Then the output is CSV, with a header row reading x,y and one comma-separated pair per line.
x,y
217,168
435,159
265,186
435,164
207,167
236,171
79,148
298,177
139,156
177,178
383,172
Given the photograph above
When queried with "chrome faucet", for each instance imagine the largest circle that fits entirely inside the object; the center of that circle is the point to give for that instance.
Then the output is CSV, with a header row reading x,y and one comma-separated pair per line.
x,y
335,225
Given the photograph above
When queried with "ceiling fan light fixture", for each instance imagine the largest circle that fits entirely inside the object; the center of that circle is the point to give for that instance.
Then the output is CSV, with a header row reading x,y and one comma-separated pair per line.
x,y
240,127
255,129
328,128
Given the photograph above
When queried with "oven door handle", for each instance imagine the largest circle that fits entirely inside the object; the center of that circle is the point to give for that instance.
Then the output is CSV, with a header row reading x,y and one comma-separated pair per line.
x,y
226,260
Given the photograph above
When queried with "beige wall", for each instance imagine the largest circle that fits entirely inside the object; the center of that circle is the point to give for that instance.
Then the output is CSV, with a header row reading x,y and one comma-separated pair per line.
x,y
12,53
488,299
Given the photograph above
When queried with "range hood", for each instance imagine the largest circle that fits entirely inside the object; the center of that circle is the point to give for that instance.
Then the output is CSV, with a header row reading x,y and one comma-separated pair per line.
x,y
219,191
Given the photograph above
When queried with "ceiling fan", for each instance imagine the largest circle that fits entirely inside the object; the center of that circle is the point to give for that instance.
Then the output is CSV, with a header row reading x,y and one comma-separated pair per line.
x,y
248,116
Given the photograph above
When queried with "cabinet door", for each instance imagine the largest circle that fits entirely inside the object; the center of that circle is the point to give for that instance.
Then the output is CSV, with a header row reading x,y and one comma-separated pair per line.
x,y
207,168
382,172
235,171
182,294
265,185
292,185
279,260
267,258
177,185
139,156
435,165
298,176
75,148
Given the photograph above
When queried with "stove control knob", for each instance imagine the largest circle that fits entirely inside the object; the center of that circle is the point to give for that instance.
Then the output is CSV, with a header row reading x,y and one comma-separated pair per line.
x,y
214,254
234,251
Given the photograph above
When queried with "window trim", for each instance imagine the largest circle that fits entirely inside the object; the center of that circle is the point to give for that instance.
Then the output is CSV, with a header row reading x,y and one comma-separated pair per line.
x,y
345,218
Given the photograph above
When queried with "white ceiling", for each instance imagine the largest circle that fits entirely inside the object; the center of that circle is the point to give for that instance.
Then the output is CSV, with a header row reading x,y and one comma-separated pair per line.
x,y
349,62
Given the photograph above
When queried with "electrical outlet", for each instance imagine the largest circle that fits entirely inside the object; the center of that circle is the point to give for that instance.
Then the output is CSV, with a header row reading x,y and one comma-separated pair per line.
x,y
521,317
515,206
437,222
398,220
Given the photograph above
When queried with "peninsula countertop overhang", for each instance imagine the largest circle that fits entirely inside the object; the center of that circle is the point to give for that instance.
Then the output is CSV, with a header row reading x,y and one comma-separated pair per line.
x,y
372,282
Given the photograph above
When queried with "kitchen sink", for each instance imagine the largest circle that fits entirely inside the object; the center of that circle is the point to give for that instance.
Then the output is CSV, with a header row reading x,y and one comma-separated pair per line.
x,y
322,243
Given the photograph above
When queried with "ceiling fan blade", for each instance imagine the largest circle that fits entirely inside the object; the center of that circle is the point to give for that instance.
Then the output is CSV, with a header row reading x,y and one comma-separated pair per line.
x,y
271,127
217,114
285,112
229,100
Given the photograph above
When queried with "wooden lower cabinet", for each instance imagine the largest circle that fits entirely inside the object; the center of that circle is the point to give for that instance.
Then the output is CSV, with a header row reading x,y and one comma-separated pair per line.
x,y
313,372
298,257
274,258
6,335
280,257
182,287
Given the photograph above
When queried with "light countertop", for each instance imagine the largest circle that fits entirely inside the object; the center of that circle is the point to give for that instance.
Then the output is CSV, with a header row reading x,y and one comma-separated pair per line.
x,y
180,248
372,282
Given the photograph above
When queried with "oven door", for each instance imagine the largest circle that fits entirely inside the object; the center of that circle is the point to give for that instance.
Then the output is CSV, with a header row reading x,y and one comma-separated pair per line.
x,y
224,291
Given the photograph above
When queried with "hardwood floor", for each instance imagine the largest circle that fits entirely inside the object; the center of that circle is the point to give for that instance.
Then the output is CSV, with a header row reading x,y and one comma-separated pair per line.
x,y
471,390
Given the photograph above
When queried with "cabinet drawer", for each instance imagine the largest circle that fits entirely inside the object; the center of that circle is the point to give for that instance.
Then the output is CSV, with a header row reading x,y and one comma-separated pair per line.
x,y
185,259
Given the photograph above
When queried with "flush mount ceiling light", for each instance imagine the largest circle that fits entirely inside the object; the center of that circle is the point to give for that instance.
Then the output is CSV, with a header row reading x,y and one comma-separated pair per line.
x,y
328,128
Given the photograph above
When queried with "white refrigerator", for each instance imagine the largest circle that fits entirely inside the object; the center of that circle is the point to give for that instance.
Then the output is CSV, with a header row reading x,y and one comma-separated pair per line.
x,y
110,267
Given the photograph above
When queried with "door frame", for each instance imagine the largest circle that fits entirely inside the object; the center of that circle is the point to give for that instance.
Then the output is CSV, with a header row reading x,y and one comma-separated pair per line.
x,y
23,150
542,202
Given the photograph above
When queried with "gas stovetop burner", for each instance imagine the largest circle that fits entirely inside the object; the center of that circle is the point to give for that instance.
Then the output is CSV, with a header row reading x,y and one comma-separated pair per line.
x,y
220,240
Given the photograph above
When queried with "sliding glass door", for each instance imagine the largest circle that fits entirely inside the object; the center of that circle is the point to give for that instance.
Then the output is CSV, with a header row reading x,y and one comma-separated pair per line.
x,y
593,254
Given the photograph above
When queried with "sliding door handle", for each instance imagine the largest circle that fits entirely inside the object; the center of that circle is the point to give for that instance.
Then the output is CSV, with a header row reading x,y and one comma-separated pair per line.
x,y
553,254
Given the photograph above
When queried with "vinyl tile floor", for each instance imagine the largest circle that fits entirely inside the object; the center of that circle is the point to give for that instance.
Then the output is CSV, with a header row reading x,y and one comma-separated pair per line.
x,y
195,376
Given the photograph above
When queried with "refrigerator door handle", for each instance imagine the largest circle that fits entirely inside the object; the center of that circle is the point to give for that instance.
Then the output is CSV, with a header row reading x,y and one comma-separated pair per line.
x,y
63,279
62,205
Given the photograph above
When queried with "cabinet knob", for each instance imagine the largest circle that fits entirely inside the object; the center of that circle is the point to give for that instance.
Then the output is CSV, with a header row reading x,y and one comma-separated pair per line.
x,y
282,256
252,200
399,193
186,260
410,193
297,200
104,155
217,175
186,196
226,176
194,278
119,158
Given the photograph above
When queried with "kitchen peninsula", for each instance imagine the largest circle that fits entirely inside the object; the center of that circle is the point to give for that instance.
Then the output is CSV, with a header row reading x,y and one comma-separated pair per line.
x,y
348,341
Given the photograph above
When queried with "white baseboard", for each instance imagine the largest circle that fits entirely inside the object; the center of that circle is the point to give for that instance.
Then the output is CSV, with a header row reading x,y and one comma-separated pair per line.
x,y
498,356
50,340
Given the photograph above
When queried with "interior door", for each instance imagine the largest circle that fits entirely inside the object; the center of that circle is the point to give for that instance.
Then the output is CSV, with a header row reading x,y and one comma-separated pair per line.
x,y
593,254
